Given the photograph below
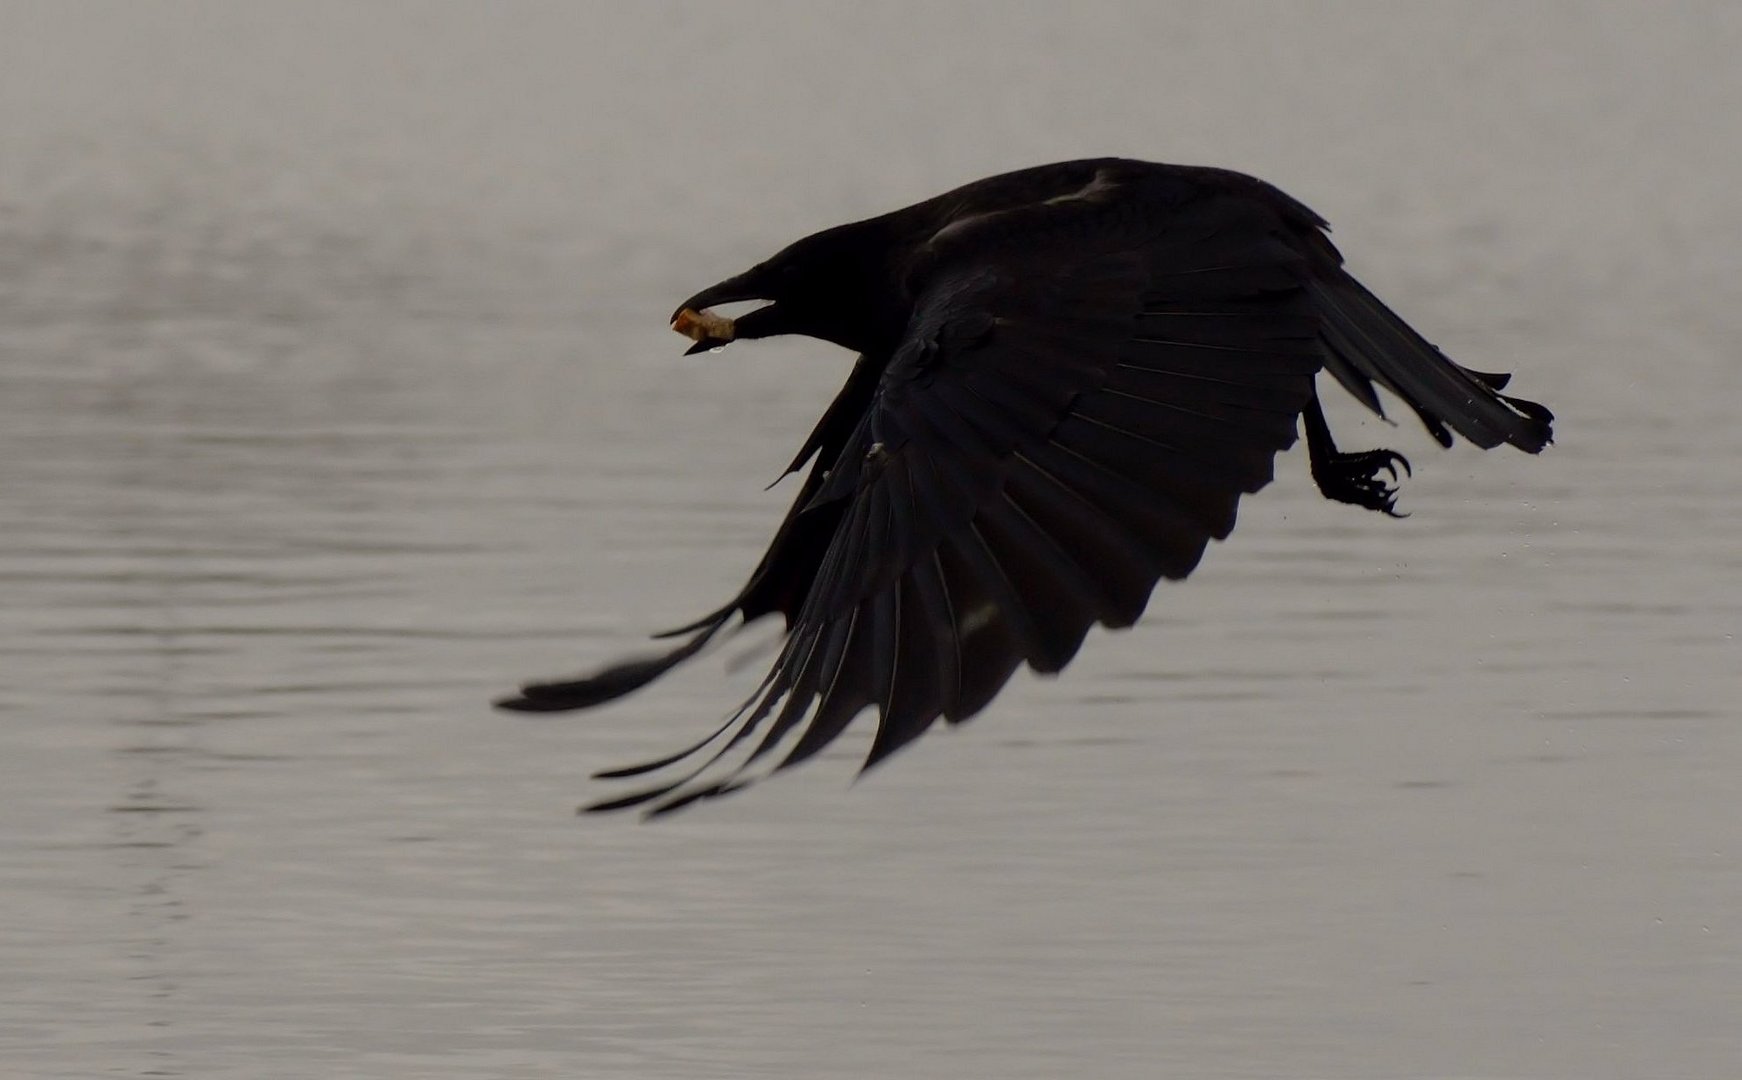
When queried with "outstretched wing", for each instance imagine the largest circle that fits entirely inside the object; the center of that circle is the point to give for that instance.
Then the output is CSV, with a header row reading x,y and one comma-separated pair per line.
x,y
1078,404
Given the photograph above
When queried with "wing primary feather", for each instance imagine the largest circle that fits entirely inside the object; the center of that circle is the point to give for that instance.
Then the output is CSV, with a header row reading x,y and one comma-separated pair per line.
x,y
1061,601
776,685
903,516
613,682
934,595
885,655
1100,541
1005,600
623,802
764,702
877,564
799,701
625,772
837,585
691,797
848,693
989,649
1103,571
818,628
719,614
916,692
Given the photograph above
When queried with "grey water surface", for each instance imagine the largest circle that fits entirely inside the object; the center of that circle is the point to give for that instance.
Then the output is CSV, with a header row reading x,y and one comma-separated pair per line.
x,y
336,397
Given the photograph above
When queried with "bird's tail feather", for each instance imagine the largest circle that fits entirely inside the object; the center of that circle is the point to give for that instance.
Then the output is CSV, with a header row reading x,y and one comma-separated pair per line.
x,y
1367,343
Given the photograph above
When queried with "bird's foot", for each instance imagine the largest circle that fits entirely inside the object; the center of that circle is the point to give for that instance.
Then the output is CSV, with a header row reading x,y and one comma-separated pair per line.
x,y
1356,479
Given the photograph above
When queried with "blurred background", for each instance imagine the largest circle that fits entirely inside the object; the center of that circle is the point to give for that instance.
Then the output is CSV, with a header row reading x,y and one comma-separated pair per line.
x,y
336,397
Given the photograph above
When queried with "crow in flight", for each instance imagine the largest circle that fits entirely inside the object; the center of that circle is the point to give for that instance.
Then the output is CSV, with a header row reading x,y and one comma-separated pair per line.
x,y
1067,377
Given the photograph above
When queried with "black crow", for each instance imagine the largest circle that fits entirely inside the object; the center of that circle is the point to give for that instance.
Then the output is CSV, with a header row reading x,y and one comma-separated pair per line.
x,y
1067,377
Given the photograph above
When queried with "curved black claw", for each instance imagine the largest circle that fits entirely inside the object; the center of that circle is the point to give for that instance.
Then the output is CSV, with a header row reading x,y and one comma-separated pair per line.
x,y
1355,478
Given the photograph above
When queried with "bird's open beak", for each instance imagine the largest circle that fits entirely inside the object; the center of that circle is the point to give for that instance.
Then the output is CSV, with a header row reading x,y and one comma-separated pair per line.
x,y
706,328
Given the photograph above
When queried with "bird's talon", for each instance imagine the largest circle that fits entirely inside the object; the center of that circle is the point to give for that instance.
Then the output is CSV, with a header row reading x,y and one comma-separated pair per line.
x,y
1355,479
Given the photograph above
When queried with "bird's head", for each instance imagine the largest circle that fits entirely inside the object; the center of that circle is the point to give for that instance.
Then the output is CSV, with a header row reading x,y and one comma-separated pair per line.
x,y
827,286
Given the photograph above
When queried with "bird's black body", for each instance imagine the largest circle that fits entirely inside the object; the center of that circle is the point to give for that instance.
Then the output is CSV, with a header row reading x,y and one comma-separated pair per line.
x,y
1067,378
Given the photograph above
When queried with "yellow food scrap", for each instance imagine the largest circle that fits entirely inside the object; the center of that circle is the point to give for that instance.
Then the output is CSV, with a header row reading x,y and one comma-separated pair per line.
x,y
702,325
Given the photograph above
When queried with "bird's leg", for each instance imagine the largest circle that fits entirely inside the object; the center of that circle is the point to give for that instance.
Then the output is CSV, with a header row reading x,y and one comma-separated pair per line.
x,y
1351,478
